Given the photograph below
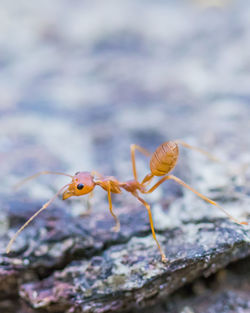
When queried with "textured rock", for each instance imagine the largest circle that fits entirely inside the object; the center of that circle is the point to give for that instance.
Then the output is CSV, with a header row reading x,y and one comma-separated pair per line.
x,y
78,84
227,292
131,274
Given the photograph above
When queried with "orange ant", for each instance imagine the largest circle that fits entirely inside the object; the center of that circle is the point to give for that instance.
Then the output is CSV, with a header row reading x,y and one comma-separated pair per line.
x,y
162,161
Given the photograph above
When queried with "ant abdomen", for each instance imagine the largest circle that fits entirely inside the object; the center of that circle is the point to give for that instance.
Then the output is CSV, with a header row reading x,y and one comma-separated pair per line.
x,y
164,158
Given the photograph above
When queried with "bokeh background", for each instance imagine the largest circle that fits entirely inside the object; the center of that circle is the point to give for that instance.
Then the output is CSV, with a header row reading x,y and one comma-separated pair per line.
x,y
82,80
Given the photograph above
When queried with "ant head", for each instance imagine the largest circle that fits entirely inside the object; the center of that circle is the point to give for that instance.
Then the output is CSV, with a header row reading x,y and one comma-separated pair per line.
x,y
82,183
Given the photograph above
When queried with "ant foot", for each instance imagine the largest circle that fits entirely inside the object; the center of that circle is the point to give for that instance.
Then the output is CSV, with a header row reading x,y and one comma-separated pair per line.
x,y
116,228
164,259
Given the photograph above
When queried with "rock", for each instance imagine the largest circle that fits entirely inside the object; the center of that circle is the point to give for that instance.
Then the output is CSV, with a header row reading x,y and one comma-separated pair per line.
x,y
227,291
132,274
80,83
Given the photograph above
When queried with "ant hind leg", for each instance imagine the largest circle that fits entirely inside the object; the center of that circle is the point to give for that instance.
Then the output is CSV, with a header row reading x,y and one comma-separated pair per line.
x,y
207,154
179,181
163,256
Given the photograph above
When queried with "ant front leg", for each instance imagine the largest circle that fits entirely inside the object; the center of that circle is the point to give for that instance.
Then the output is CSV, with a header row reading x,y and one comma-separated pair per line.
x,y
133,147
116,228
179,181
88,205
163,257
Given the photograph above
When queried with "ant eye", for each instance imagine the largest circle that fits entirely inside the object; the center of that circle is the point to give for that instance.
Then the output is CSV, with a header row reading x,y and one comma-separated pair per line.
x,y
79,186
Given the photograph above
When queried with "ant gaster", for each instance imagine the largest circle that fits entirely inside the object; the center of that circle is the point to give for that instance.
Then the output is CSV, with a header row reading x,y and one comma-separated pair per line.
x,y
162,161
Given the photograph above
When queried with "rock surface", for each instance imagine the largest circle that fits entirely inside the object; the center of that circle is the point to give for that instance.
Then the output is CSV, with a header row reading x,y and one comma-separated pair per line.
x,y
131,275
226,292
80,83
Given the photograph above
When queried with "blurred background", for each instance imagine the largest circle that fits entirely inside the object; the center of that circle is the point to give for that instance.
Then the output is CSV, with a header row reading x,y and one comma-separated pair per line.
x,y
82,80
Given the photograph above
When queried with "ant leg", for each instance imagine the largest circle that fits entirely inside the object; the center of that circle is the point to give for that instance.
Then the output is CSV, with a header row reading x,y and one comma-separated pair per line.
x,y
89,206
147,179
184,144
179,181
116,228
163,257
38,174
132,150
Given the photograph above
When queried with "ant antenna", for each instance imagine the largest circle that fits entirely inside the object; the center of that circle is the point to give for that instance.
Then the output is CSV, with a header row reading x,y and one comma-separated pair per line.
x,y
32,217
23,181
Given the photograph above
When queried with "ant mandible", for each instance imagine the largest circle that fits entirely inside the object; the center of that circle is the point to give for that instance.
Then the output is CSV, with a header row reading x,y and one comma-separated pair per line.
x,y
162,161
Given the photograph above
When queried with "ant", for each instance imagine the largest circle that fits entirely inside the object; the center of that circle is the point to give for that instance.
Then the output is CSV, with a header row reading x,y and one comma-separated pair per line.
x,y
162,161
